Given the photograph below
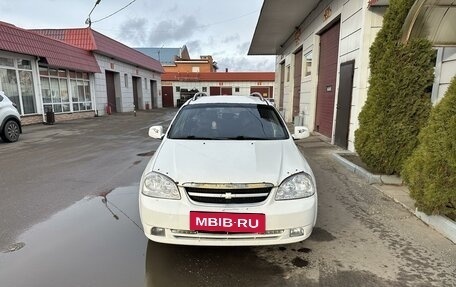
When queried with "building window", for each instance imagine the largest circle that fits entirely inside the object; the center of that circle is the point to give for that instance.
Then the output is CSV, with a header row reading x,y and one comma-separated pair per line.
x,y
288,73
236,89
145,83
126,80
308,64
195,69
178,89
205,89
16,80
61,98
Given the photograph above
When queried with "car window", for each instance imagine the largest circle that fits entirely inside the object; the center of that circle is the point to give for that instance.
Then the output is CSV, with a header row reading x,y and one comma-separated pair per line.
x,y
228,122
1,98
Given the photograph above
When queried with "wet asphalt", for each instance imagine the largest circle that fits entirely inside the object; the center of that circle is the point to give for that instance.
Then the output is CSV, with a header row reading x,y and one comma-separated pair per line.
x,y
69,217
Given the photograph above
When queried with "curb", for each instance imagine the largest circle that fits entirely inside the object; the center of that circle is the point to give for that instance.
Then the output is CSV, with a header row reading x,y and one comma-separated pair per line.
x,y
441,224
370,178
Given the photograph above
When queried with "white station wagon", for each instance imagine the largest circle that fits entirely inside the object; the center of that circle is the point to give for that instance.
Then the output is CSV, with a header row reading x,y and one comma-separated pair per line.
x,y
227,173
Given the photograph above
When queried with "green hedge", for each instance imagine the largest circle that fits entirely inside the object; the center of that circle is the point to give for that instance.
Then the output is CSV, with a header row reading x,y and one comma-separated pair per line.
x,y
431,170
397,104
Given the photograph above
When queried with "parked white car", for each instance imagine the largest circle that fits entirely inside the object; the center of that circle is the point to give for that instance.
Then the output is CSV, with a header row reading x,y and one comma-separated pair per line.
x,y
227,173
10,120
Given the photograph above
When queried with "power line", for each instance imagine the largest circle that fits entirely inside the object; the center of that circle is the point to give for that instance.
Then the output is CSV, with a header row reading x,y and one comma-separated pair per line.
x,y
112,14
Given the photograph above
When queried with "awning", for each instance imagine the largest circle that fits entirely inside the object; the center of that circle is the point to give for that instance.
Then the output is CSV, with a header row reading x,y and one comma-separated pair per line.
x,y
432,19
277,23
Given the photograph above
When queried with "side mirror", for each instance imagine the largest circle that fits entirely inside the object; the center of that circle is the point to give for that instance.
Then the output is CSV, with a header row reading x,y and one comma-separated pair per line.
x,y
301,132
156,132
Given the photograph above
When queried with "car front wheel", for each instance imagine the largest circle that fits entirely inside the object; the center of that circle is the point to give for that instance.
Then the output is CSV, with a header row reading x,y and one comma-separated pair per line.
x,y
10,131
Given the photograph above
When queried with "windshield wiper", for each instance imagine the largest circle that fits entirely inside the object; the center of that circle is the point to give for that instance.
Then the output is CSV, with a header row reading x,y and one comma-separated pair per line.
x,y
245,138
193,138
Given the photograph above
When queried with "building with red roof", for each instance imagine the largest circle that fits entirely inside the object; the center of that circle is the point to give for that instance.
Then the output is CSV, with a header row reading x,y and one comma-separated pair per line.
x,y
184,77
177,87
74,73
128,80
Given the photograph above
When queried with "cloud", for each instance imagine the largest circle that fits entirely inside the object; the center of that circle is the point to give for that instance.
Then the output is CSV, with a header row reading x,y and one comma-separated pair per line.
x,y
246,64
134,31
194,48
173,30
232,38
243,48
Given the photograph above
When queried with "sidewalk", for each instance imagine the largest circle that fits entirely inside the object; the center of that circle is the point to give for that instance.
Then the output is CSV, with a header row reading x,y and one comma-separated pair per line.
x,y
392,187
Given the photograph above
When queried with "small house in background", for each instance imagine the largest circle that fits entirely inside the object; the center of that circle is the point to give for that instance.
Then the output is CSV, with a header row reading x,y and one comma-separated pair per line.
x,y
184,77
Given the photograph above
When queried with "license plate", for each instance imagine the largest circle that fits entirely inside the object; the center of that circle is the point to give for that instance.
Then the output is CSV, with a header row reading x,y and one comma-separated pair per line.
x,y
228,222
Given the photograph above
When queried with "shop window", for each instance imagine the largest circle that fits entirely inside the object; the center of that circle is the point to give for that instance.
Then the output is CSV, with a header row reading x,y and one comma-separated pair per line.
x,y
7,62
308,64
16,80
288,73
66,92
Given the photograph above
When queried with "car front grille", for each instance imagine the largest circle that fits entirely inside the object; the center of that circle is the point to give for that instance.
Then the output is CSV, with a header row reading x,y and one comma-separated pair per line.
x,y
228,195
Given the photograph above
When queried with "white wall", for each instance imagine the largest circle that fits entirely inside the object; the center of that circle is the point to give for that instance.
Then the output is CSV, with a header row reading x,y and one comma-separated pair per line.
x,y
244,87
124,92
445,70
358,27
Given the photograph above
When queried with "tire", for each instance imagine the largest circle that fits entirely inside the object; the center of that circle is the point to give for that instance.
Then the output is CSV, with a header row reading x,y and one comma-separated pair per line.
x,y
11,131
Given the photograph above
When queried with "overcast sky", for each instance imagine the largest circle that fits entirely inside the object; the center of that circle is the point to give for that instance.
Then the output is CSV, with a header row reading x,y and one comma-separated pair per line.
x,y
221,28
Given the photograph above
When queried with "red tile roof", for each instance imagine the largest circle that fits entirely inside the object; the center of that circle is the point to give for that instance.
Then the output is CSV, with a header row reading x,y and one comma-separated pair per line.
x,y
55,53
220,77
89,39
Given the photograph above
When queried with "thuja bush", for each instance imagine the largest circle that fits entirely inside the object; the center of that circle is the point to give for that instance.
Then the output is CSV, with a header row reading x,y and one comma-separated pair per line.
x,y
431,170
398,103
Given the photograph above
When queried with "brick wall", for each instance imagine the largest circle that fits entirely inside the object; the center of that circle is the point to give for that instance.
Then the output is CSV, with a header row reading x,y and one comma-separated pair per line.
x,y
37,119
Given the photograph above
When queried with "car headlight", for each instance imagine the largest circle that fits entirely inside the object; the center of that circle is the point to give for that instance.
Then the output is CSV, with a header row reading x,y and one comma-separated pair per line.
x,y
159,185
296,186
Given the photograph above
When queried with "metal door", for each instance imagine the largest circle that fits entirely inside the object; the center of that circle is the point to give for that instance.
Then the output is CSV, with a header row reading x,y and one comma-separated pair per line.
x,y
327,74
344,104
167,96
111,91
227,91
214,91
136,81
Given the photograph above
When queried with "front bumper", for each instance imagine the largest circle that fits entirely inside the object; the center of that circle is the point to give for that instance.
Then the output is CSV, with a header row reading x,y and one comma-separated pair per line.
x,y
174,217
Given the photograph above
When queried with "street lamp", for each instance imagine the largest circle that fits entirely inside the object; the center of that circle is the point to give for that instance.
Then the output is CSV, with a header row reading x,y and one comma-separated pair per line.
x,y
88,21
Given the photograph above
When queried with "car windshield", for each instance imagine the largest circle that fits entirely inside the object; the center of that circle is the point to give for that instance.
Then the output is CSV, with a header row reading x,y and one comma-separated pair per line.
x,y
228,122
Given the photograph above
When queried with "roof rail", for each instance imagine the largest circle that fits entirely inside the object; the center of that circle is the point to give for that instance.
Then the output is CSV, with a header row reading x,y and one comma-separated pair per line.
x,y
199,95
257,95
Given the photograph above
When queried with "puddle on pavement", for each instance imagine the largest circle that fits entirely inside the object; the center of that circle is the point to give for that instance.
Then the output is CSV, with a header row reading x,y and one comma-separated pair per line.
x,y
150,153
99,242
84,245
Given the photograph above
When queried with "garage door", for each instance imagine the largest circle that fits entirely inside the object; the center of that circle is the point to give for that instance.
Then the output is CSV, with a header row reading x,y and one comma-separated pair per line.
x,y
167,96
111,91
266,92
217,91
327,73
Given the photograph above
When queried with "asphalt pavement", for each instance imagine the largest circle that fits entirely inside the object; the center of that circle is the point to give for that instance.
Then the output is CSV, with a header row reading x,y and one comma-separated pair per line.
x,y
69,217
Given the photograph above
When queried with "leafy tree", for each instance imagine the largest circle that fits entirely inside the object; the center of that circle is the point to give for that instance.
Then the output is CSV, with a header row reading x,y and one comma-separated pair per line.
x,y
398,102
431,170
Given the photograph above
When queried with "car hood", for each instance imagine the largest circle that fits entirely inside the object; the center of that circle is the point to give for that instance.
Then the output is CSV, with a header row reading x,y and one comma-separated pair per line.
x,y
216,161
